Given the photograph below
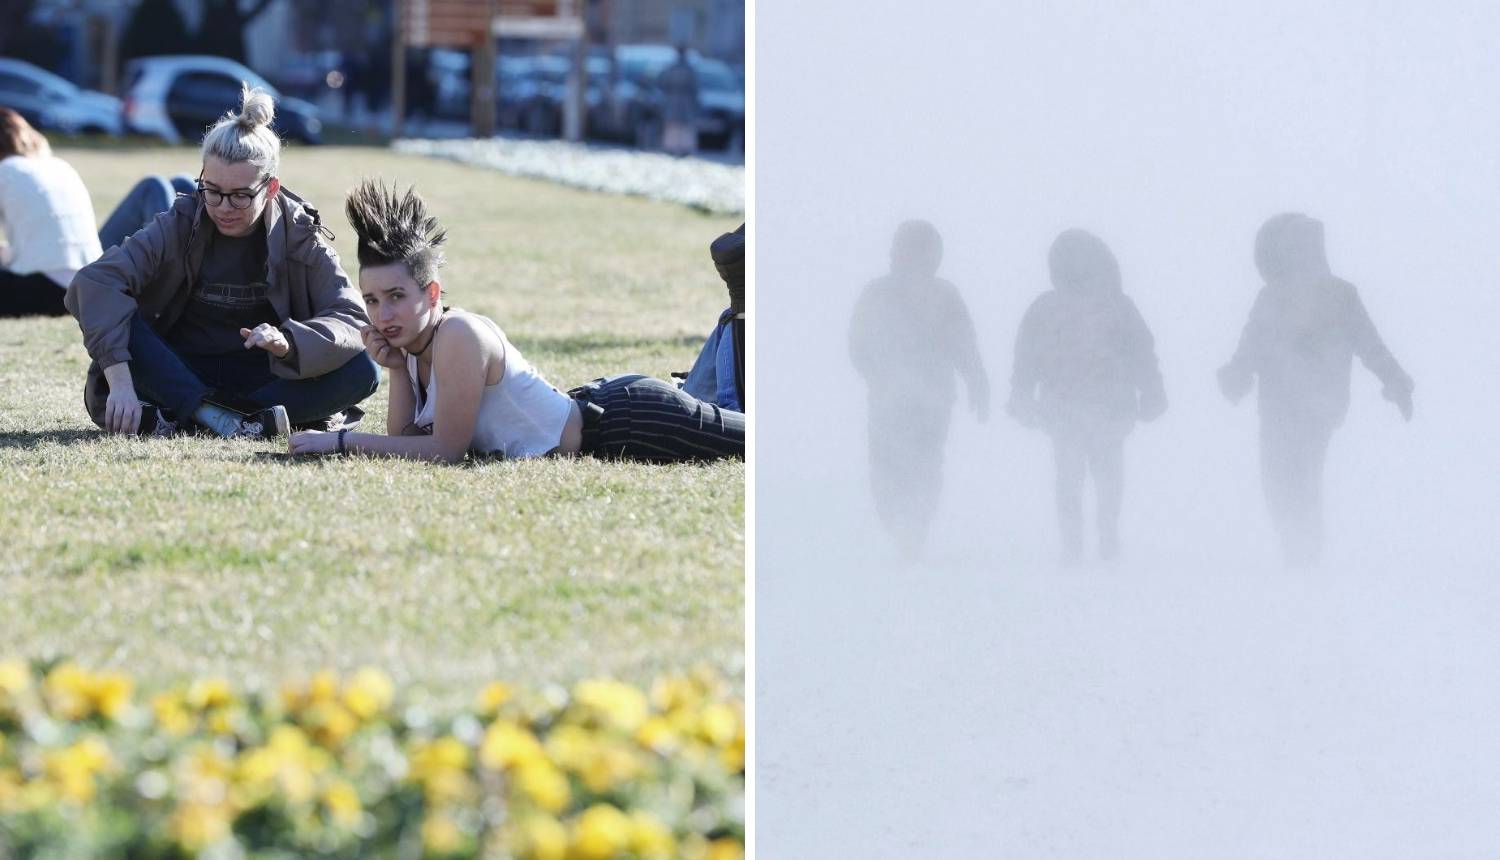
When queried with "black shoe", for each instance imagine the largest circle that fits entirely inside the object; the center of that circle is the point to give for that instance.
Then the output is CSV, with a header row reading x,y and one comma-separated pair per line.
x,y
154,423
348,419
268,423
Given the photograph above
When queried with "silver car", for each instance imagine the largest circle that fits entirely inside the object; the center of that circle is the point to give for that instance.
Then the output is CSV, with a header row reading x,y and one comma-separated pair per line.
x,y
52,103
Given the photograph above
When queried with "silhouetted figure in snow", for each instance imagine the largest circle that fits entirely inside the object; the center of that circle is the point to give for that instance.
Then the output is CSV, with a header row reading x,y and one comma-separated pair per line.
x,y
911,339
1300,341
1085,372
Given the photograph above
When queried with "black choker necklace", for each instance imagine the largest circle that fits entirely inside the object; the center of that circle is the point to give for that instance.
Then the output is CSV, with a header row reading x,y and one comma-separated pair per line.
x,y
429,341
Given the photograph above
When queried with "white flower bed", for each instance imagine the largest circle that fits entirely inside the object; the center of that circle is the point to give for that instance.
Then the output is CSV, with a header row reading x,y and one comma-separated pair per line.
x,y
703,185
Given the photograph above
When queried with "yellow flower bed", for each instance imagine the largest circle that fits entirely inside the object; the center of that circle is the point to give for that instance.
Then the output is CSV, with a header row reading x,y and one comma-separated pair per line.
x,y
341,767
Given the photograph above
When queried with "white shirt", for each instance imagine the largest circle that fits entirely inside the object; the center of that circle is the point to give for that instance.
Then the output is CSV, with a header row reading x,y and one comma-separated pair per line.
x,y
47,217
519,416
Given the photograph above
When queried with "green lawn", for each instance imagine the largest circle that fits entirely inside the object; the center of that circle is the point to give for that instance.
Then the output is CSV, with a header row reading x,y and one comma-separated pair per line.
x,y
193,556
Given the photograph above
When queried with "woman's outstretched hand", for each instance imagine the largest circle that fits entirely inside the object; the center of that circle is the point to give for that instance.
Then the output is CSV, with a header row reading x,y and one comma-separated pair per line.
x,y
381,350
313,442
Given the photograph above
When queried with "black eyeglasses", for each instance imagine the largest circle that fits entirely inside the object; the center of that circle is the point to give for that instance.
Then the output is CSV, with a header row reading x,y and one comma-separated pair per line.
x,y
237,199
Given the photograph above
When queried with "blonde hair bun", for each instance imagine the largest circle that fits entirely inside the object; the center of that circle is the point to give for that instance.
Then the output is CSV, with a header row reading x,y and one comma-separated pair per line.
x,y
257,108
247,136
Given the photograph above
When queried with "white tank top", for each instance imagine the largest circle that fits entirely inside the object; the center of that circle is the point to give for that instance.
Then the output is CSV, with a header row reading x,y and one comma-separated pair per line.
x,y
520,416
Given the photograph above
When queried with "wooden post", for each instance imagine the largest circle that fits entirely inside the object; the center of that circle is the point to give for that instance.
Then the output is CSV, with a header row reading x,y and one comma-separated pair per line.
x,y
482,87
578,80
109,53
398,65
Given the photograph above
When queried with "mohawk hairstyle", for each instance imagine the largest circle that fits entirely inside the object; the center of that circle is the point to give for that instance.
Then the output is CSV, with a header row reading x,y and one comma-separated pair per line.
x,y
394,228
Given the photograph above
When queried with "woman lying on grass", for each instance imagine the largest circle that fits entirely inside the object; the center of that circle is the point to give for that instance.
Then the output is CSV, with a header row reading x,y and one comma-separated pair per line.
x,y
470,389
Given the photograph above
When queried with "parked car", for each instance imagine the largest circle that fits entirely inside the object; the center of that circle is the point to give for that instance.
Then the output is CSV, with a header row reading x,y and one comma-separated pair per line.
x,y
177,98
52,103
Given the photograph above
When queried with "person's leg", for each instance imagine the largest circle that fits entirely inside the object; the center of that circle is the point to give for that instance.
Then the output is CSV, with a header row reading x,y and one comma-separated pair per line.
x,y
1071,460
149,197
161,375
1107,465
647,419
184,184
906,465
30,295
1312,455
1292,456
308,400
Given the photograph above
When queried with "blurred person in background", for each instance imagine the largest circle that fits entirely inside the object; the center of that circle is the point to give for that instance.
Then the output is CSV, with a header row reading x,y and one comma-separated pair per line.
x,y
47,219
911,339
679,105
1085,372
1304,331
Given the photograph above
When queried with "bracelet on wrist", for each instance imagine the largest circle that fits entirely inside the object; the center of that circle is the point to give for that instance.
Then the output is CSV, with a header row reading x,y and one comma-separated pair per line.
x,y
342,450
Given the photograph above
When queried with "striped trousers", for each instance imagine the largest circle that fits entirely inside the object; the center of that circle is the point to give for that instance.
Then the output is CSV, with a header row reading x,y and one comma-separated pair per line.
x,y
640,418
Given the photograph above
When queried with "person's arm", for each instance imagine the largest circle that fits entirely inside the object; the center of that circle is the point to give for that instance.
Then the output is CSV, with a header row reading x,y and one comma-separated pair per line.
x,y
459,367
122,410
1238,375
1372,351
1026,370
1145,371
331,336
966,358
401,402
102,296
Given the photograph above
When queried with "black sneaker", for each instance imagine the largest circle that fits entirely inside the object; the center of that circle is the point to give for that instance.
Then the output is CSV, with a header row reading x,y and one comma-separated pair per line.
x,y
268,423
154,423
347,419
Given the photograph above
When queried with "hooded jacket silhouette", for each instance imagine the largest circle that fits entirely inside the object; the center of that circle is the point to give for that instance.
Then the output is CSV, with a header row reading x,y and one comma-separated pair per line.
x,y
1304,331
911,339
1085,361
1085,372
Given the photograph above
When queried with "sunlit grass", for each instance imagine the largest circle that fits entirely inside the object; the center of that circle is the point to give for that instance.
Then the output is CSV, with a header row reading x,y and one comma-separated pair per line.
x,y
191,555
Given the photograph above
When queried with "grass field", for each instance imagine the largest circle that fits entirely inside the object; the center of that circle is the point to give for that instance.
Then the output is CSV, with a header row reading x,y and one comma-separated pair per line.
x,y
193,556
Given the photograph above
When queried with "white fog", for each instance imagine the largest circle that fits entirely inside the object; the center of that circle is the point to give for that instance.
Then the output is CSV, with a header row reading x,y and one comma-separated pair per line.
x,y
1197,696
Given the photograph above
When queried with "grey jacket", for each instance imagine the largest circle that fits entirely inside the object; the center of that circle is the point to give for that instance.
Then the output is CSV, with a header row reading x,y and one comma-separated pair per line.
x,y
152,273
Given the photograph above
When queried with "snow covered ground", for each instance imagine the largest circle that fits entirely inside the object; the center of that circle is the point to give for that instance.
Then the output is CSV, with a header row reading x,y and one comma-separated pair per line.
x,y
1198,699
714,187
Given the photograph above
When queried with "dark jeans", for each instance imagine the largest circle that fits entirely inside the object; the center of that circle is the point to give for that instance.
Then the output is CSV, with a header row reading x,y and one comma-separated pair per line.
x,y
30,295
179,382
640,418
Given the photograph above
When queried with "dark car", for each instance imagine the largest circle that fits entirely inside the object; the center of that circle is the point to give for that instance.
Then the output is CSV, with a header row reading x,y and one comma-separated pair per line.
x,y
179,97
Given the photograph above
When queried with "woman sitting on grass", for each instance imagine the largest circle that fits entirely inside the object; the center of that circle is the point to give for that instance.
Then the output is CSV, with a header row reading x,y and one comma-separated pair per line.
x,y
470,389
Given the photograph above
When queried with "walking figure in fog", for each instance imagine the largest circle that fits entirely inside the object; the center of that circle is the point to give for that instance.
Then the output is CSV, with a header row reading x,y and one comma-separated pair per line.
x,y
1304,330
911,339
1085,372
